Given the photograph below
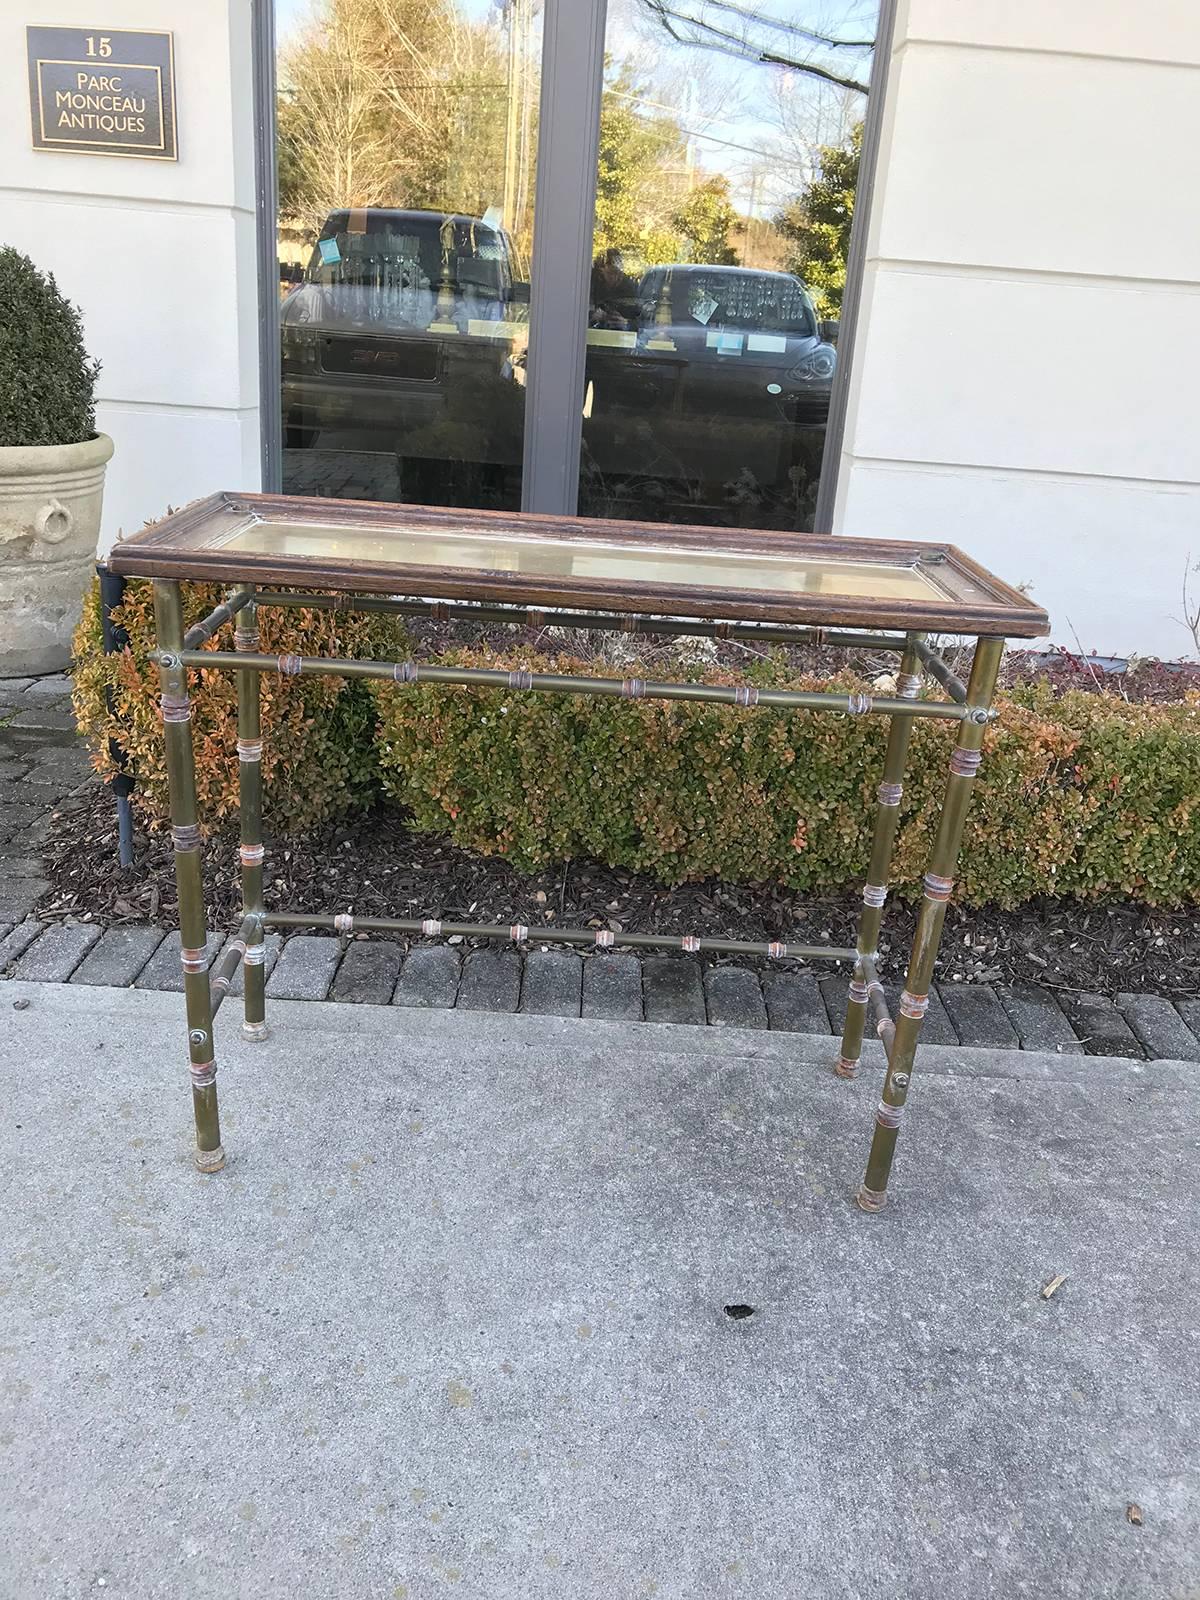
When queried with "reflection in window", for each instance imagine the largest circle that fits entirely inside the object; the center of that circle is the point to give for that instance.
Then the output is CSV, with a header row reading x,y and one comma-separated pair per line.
x,y
407,150
728,163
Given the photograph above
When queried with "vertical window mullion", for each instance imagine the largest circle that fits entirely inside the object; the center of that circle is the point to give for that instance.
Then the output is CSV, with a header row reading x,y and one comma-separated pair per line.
x,y
568,149
266,184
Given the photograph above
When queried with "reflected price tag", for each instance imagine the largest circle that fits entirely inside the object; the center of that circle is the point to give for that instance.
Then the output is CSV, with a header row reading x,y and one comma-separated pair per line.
x,y
726,344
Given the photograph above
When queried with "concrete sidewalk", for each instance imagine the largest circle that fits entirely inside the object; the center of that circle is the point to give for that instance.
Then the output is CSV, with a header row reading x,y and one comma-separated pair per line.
x,y
452,1320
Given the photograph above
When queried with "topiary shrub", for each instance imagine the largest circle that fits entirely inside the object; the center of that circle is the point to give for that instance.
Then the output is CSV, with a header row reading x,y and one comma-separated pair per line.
x,y
320,754
47,378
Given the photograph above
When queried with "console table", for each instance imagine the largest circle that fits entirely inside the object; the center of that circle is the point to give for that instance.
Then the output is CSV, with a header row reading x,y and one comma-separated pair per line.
x,y
773,588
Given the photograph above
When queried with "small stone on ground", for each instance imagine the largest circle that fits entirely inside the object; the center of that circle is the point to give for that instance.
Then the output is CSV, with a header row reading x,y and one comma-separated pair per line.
x,y
51,718
54,686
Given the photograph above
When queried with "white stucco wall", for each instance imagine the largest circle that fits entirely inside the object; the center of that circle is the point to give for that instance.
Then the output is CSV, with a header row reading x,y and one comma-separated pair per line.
x,y
1027,366
159,256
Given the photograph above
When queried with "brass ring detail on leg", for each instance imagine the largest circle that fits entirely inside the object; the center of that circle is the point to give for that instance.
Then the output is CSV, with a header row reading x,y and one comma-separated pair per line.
x,y
888,1116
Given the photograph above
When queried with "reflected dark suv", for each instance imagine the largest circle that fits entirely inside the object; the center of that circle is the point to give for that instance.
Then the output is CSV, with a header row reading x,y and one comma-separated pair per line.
x,y
727,373
403,335
758,330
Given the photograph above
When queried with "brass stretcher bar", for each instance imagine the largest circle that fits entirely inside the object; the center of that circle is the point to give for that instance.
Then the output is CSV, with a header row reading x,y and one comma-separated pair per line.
x,y
644,578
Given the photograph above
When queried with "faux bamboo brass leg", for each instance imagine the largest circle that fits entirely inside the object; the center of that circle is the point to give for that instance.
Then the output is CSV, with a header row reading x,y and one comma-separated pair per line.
x,y
939,883
185,835
887,818
246,638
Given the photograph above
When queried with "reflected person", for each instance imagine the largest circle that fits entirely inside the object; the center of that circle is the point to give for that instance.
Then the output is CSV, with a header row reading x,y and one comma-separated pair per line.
x,y
614,300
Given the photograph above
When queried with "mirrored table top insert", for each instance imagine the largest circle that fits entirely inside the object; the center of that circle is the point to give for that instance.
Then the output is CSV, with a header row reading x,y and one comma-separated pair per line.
x,y
458,548
645,568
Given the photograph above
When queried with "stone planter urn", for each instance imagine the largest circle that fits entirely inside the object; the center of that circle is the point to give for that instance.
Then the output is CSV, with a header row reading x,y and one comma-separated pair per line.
x,y
50,496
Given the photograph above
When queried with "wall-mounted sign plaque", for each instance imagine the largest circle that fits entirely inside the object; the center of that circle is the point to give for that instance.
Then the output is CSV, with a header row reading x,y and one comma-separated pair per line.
x,y
102,92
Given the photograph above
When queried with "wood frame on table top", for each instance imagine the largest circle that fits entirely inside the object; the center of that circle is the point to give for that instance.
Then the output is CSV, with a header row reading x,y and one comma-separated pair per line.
x,y
176,548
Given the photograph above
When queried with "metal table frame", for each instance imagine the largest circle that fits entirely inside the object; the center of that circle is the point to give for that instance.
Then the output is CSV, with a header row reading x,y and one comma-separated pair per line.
x,y
967,705
741,584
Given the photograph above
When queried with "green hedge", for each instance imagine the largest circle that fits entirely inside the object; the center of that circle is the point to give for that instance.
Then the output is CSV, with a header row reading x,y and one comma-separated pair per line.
x,y
1084,795
320,756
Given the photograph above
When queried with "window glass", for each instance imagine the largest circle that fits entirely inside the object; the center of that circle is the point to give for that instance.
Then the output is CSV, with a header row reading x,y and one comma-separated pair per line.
x,y
407,153
728,163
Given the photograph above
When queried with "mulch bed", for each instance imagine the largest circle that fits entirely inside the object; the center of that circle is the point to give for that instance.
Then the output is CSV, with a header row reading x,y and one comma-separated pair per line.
x,y
1140,681
379,868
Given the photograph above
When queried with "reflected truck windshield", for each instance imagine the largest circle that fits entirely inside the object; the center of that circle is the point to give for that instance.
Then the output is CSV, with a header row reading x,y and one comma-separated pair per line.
x,y
728,297
382,249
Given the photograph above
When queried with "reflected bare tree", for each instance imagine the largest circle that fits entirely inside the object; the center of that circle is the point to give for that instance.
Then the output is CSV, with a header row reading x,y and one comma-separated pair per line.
x,y
749,34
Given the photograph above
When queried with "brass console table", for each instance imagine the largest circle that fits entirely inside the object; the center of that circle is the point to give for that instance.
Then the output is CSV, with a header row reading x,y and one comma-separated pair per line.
x,y
635,577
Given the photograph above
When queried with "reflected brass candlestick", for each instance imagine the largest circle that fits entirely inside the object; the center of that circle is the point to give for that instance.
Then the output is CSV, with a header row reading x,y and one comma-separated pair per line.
x,y
444,318
662,339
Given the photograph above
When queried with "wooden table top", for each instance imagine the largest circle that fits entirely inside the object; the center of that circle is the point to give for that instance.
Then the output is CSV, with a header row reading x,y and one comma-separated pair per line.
x,y
356,546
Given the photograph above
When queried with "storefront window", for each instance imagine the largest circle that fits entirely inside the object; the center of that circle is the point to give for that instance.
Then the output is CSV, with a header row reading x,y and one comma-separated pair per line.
x,y
407,157
729,150
730,134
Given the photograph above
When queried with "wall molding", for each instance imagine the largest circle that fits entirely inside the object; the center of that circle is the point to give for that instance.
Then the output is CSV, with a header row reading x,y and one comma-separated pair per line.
x,y
121,202
1185,486
977,46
